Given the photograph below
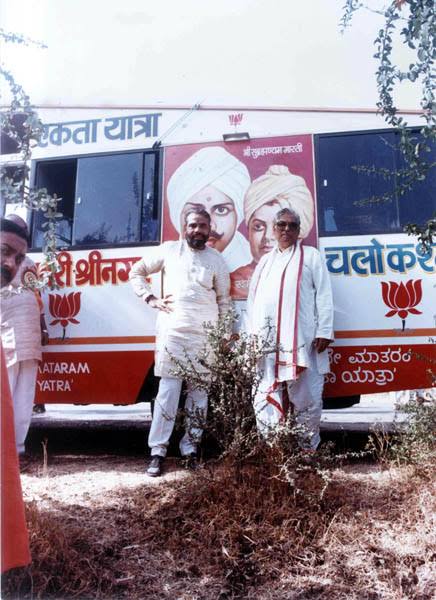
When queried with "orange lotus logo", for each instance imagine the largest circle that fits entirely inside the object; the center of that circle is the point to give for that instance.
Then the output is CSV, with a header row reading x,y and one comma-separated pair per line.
x,y
64,308
402,298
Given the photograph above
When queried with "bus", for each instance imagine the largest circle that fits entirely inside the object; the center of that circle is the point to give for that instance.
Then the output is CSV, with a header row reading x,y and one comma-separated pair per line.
x,y
124,177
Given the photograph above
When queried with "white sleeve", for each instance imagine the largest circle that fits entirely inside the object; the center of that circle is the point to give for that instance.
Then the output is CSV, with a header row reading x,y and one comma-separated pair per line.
x,y
144,267
222,288
323,298
247,320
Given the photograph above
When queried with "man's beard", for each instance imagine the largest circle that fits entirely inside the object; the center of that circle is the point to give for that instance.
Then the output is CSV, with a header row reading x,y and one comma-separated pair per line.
x,y
197,243
6,276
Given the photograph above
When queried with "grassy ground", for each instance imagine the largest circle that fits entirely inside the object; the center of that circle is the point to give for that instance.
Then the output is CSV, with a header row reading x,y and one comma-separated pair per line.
x,y
100,528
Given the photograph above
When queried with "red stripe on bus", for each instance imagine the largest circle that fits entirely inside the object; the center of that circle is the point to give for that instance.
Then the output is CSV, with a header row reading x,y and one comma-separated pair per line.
x,y
134,339
384,333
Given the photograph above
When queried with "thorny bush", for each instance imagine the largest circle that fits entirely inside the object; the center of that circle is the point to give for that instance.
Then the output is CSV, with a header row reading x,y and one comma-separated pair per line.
x,y
228,372
413,442
416,442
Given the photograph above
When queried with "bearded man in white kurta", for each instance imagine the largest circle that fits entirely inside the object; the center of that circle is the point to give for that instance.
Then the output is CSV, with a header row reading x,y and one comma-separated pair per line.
x,y
290,292
197,286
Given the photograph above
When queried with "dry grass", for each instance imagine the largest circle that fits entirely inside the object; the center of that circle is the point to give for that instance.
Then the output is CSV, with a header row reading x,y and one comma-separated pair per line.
x,y
371,536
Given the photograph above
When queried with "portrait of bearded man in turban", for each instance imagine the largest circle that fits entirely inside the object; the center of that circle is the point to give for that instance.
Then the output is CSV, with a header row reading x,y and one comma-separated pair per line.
x,y
215,180
277,188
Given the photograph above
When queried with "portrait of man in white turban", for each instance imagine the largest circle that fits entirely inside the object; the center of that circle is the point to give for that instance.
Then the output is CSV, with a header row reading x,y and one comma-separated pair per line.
x,y
277,188
215,180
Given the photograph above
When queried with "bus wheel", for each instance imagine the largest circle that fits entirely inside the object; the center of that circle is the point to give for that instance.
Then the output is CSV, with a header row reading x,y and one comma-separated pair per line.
x,y
149,388
337,403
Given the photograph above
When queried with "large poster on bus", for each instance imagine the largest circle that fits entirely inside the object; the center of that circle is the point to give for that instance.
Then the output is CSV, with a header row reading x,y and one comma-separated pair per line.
x,y
242,185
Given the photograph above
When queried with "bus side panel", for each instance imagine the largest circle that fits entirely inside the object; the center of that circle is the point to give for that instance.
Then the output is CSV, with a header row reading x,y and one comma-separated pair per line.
x,y
383,281
102,336
113,377
370,369
385,334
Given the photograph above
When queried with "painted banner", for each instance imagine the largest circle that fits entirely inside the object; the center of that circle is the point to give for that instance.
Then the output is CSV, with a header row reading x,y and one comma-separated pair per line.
x,y
242,185
109,377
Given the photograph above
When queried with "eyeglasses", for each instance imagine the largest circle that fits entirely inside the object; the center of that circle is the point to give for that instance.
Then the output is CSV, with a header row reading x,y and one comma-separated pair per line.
x,y
292,226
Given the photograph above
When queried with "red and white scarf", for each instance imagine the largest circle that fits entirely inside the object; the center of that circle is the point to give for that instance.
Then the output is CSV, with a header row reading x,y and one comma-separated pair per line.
x,y
290,356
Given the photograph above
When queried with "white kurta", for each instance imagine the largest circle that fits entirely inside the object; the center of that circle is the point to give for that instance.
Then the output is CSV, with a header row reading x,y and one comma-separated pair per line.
x,y
199,282
21,341
315,314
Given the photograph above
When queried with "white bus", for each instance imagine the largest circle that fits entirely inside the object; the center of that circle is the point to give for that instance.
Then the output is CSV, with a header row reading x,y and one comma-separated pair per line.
x,y
112,169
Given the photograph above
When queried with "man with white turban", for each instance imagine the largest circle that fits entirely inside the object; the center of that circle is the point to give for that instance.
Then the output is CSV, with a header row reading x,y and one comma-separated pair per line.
x,y
215,180
290,303
277,188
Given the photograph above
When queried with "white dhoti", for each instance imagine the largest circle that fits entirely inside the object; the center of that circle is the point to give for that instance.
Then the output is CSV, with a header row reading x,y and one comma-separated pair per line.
x,y
305,397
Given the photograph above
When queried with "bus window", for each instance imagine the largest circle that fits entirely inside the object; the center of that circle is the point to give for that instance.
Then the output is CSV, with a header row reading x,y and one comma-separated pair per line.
x,y
107,200
58,177
15,176
9,139
341,187
419,204
343,192
150,204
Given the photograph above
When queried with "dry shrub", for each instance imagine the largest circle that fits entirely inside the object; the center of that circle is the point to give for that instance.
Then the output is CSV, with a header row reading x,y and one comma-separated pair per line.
x,y
260,539
235,534
414,440
73,554
369,536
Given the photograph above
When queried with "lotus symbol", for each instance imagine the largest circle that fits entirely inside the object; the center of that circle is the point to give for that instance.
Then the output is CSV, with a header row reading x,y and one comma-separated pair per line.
x,y
402,298
235,119
64,308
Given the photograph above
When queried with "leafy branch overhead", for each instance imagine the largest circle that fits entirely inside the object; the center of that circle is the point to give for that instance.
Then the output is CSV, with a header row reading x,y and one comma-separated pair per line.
x,y
21,124
413,24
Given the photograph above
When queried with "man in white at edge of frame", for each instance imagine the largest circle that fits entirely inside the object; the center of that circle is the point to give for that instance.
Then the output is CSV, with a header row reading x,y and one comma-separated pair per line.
x,y
291,288
197,285
23,329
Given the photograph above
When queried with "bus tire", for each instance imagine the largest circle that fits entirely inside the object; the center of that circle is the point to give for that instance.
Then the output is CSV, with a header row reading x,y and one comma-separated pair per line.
x,y
149,389
340,402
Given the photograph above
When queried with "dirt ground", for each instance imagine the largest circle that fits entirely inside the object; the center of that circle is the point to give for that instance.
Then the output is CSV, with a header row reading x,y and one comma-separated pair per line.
x,y
90,481
100,528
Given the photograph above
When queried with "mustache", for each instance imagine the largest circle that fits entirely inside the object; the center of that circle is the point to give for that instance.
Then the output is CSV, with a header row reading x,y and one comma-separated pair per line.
x,y
6,275
215,235
198,236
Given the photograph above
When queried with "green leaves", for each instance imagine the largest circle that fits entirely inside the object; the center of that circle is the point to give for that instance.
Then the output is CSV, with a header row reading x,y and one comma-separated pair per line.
x,y
21,123
419,34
